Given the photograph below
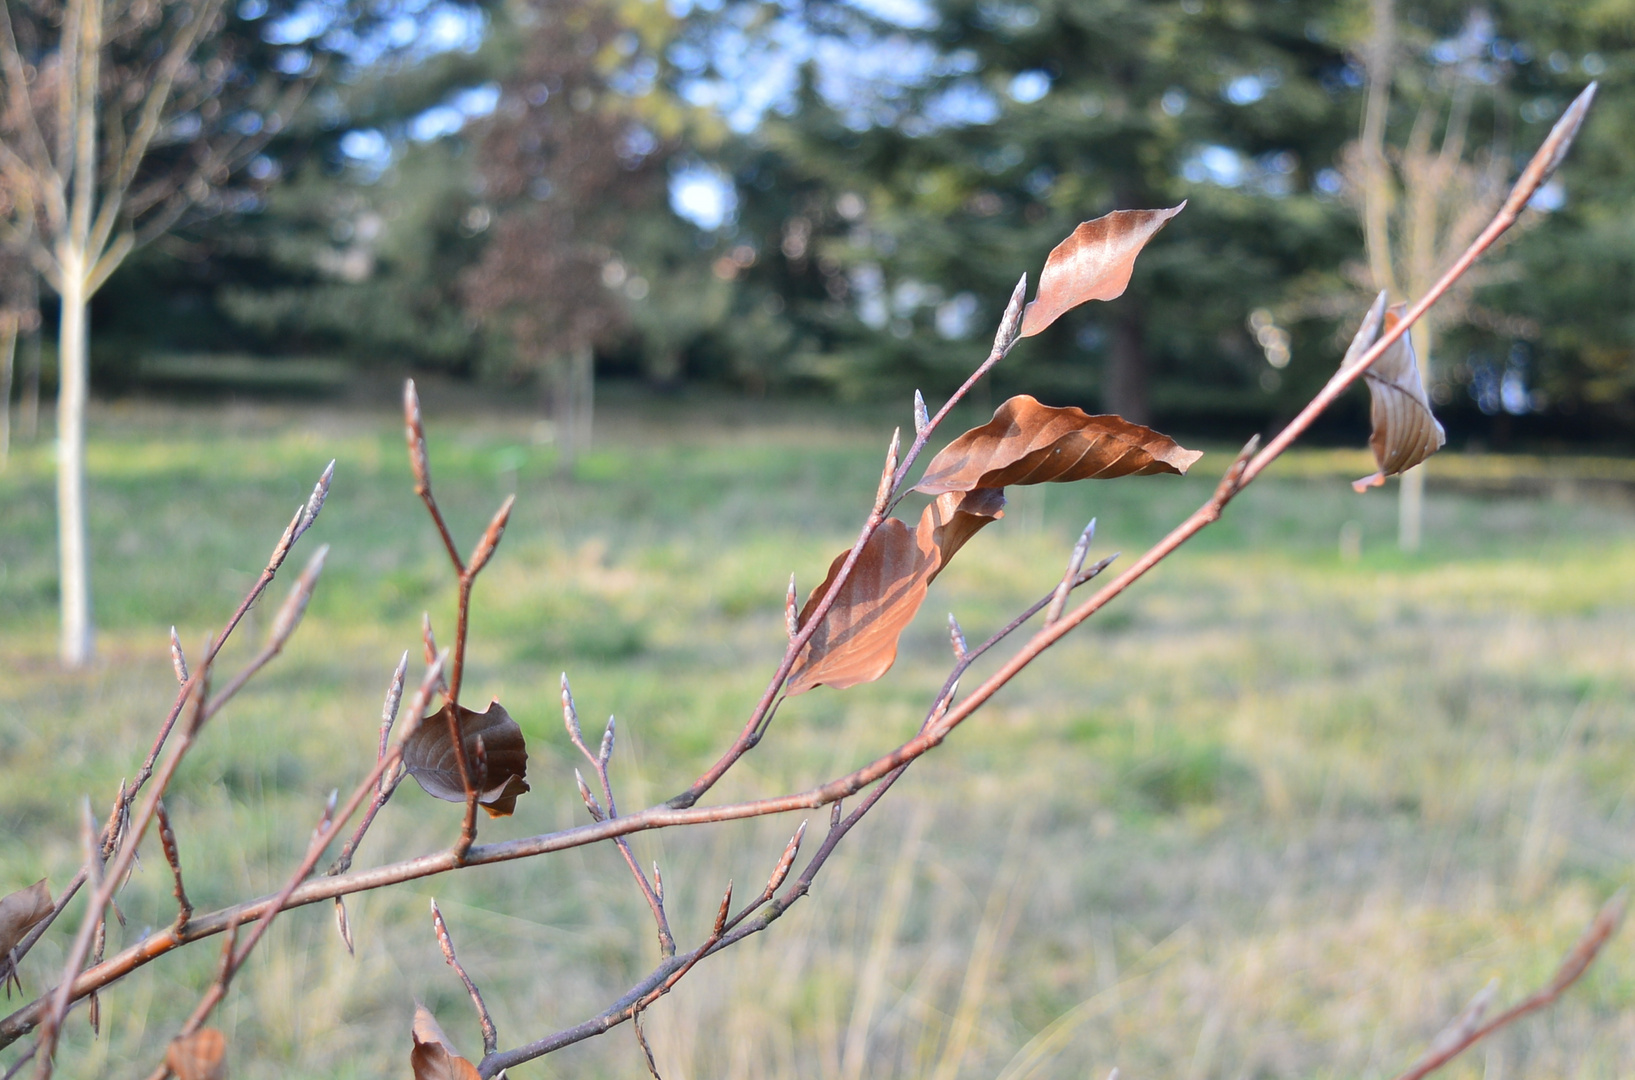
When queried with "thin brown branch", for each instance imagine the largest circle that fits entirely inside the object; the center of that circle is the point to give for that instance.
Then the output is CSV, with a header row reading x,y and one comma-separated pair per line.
x,y
415,433
387,783
599,762
945,717
491,1038
51,1028
1464,1032
167,840
891,488
328,829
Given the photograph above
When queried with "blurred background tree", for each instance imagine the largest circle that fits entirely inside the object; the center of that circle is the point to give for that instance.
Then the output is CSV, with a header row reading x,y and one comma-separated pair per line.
x,y
831,198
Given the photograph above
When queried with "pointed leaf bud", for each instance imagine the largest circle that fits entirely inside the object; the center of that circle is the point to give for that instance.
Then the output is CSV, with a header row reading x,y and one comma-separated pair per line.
x,y
570,715
956,637
721,913
791,610
177,661
591,804
1010,324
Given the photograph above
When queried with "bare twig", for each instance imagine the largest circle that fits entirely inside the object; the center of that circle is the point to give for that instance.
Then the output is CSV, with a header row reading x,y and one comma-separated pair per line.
x,y
599,761
446,943
303,520
1464,1032
328,829
466,572
754,727
881,773
388,782
167,840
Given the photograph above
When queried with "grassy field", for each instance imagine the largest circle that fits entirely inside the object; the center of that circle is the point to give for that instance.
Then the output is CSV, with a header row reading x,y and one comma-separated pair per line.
x,y
1276,813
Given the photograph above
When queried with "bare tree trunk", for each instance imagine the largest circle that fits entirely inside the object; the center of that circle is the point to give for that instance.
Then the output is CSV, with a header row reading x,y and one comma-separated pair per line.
x,y
8,352
28,408
73,376
1125,381
571,384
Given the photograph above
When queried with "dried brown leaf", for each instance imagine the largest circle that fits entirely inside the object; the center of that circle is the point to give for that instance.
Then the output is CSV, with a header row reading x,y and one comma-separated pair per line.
x,y
1030,443
1092,264
857,640
428,755
20,911
199,1056
1405,433
433,1057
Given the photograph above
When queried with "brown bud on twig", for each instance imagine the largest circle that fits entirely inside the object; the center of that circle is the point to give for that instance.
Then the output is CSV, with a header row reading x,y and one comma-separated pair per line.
x,y
490,538
882,494
427,638
415,432
834,814
422,695
788,860
167,841
658,882
282,548
1552,153
388,709
344,925
315,502
177,660
570,715
922,418
605,754
721,912
1233,479
791,610
1097,567
1010,325
956,637
1075,563
1463,1025
585,793
328,814
295,605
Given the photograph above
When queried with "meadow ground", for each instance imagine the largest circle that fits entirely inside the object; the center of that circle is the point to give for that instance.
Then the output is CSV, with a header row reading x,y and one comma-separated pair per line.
x,y
1277,812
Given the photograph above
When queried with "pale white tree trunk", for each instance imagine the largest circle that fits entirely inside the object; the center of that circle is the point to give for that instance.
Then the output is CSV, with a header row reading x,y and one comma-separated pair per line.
x,y
572,387
73,385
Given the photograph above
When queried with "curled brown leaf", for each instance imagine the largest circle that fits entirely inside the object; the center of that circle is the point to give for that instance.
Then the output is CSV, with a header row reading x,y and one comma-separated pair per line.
x,y
428,755
20,911
1030,443
199,1056
433,1057
1404,431
857,640
1094,263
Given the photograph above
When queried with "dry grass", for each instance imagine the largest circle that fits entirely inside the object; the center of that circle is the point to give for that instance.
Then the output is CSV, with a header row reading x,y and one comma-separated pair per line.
x,y
1274,814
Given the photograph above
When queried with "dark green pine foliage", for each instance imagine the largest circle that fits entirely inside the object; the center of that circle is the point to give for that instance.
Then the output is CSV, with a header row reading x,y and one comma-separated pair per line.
x,y
1038,116
317,254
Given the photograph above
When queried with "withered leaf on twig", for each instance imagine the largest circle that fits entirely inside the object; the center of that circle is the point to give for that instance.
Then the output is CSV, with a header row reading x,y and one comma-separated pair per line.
x,y
1030,443
1094,263
433,1057
199,1056
1405,433
857,640
20,911
428,755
